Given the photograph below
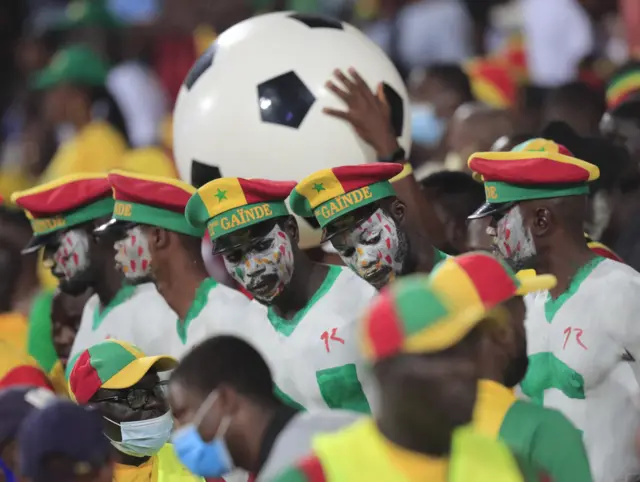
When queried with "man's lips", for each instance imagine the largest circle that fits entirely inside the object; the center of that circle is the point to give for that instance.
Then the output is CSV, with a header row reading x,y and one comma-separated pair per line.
x,y
377,276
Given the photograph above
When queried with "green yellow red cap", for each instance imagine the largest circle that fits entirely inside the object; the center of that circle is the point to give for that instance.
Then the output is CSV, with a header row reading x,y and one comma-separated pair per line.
x,y
430,313
624,85
65,202
535,169
228,204
331,193
602,249
493,82
76,64
111,364
153,200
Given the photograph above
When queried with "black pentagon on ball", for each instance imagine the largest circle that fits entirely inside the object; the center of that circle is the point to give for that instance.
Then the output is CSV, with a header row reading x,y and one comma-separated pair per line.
x,y
284,100
203,63
396,108
202,173
317,21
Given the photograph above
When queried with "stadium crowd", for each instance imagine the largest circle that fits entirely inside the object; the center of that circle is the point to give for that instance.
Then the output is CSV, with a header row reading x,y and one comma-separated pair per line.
x,y
466,312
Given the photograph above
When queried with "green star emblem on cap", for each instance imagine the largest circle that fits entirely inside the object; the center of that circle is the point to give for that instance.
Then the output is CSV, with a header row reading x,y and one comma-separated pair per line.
x,y
221,195
318,187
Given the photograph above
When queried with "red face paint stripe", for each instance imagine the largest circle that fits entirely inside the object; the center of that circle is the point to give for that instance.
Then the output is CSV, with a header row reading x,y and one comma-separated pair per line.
x,y
385,331
25,375
84,380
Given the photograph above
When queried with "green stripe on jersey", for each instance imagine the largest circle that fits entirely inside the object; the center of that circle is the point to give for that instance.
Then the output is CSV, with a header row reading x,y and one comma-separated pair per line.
x,y
548,440
341,388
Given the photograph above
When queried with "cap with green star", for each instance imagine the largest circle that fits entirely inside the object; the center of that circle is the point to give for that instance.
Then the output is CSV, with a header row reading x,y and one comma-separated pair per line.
x,y
228,204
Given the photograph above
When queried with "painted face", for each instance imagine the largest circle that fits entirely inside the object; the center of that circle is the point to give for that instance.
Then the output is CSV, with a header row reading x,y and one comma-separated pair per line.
x,y
265,266
132,254
513,241
375,249
71,257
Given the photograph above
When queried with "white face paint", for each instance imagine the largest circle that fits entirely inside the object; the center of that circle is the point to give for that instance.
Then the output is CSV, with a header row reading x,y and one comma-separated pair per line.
x,y
375,249
72,255
513,241
132,254
265,267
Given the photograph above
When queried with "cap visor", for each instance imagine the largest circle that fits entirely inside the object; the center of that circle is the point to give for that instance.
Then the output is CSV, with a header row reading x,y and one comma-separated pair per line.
x,y
489,209
134,371
113,225
37,242
530,282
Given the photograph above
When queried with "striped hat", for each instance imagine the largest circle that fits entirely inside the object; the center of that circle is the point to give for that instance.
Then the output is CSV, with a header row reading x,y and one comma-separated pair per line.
x,y
493,82
228,204
63,203
624,85
427,314
111,364
535,169
157,201
331,193
601,249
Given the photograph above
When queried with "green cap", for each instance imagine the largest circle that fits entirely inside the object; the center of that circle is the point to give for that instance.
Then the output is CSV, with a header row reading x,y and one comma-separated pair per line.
x,y
76,64
88,13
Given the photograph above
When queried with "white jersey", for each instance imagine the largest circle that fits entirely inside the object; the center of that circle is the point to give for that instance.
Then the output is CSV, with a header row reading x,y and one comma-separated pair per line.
x,y
134,315
220,310
584,354
322,364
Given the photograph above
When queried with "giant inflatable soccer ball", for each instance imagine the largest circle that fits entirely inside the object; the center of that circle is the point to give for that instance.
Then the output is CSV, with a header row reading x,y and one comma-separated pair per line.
x,y
251,106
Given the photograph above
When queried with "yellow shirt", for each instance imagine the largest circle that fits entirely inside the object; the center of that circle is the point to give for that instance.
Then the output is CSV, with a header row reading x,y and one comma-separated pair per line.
x,y
13,329
97,148
141,473
18,368
164,467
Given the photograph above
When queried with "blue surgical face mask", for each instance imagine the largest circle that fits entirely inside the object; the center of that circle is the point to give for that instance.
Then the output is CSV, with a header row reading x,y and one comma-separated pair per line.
x,y
426,128
8,473
204,459
144,438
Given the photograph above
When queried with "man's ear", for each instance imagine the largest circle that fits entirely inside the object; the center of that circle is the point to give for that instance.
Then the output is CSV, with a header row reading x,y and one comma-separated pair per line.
x,y
158,238
290,226
541,220
398,210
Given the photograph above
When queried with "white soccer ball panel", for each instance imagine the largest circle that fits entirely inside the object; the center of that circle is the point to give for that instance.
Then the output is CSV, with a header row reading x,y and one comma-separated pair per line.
x,y
220,119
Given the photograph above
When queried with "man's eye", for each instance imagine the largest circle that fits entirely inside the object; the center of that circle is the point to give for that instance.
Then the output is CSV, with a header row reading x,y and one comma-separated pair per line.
x,y
373,239
233,257
263,245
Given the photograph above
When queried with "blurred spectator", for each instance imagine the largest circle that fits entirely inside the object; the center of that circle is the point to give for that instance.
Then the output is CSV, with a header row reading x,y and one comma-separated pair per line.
x,y
435,95
18,368
451,198
624,85
421,33
578,104
558,36
64,441
135,88
16,404
72,81
474,128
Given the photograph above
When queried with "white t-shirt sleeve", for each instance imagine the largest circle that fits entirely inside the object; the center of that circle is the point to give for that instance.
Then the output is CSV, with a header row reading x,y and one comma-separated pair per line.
x,y
624,325
558,36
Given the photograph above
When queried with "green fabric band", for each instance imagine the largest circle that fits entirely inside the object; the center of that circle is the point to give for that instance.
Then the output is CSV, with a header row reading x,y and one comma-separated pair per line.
x,y
501,192
96,210
350,201
244,216
162,218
